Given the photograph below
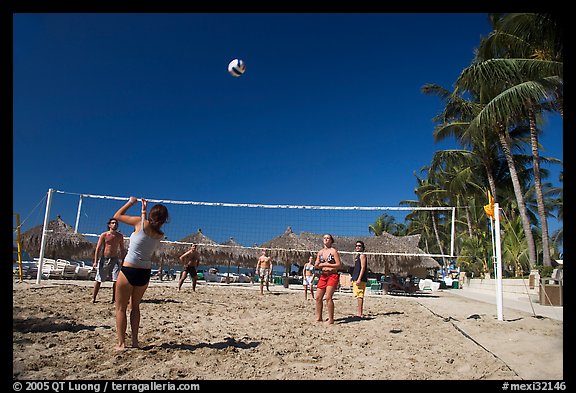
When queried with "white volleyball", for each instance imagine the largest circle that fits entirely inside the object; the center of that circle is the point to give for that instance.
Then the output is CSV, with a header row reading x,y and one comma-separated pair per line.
x,y
236,67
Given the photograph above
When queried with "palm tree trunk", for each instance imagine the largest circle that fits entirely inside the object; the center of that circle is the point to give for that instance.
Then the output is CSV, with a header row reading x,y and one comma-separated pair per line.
x,y
468,220
491,182
560,104
467,215
538,189
435,226
503,138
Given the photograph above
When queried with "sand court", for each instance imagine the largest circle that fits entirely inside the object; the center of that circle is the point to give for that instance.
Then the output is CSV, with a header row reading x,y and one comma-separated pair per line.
x,y
231,332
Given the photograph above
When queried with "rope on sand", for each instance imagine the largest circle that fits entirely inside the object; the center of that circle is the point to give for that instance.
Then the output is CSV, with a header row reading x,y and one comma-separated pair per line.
x,y
450,319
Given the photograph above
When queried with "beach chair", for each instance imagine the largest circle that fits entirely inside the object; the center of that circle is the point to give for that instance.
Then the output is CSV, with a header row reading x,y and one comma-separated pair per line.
x,y
425,285
68,269
49,269
375,288
428,285
397,286
83,272
58,271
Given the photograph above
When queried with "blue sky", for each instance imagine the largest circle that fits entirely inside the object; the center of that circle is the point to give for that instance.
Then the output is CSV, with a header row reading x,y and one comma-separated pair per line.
x,y
329,111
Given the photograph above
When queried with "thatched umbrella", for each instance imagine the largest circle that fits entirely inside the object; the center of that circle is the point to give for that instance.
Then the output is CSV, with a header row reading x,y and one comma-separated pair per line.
x,y
210,251
238,254
288,248
169,252
384,244
60,242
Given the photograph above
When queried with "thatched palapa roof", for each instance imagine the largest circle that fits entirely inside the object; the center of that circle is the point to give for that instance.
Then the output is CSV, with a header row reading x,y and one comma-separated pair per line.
x,y
382,245
287,248
61,242
239,254
169,252
210,251
290,246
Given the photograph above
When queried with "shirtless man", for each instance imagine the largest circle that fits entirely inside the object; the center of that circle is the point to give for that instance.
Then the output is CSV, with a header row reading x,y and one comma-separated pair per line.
x,y
190,261
108,257
264,265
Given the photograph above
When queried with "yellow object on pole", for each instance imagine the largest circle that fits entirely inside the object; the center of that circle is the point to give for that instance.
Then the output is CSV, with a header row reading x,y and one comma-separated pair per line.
x,y
18,243
489,208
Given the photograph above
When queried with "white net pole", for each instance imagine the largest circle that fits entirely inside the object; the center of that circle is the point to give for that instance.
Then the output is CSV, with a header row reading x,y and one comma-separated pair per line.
x,y
44,230
453,231
499,295
78,213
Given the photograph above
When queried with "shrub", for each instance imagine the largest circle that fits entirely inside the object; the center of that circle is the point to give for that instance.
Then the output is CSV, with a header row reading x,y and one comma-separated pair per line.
x,y
545,271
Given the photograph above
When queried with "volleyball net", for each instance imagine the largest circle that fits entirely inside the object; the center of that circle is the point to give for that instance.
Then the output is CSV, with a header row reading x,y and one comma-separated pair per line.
x,y
242,226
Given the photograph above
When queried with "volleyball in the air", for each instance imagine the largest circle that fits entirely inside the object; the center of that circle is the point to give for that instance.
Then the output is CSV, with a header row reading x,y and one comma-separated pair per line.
x,y
236,67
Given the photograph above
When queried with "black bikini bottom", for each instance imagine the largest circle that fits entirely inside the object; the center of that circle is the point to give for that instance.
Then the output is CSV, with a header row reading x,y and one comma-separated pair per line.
x,y
136,277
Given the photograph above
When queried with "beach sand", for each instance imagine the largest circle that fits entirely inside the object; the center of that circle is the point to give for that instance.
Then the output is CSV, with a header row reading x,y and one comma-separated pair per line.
x,y
231,332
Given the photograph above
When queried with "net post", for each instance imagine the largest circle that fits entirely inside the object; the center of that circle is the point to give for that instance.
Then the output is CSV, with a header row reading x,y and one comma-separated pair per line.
x,y
78,214
453,231
44,230
498,262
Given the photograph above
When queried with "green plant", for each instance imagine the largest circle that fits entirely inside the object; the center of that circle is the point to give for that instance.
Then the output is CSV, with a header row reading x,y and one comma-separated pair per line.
x,y
545,271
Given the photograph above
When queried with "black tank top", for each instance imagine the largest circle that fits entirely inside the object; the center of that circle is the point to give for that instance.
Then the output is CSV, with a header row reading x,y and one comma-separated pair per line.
x,y
357,268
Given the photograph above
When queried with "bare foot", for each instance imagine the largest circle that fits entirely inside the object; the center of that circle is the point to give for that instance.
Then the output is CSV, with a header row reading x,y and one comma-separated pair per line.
x,y
329,322
120,347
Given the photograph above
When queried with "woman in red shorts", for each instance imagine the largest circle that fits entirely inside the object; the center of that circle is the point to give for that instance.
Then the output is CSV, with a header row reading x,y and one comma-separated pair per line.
x,y
327,260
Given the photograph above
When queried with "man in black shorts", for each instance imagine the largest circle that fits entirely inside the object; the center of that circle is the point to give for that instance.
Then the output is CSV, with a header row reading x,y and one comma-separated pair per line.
x,y
190,260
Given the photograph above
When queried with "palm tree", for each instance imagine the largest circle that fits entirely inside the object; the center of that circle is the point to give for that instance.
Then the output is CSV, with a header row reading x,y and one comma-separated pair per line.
x,y
557,237
455,121
523,56
419,223
516,75
384,223
458,171
483,145
475,251
514,246
429,193
499,114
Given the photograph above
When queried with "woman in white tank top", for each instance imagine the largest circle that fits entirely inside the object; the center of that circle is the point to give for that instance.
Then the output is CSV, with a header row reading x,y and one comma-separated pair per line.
x,y
135,272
